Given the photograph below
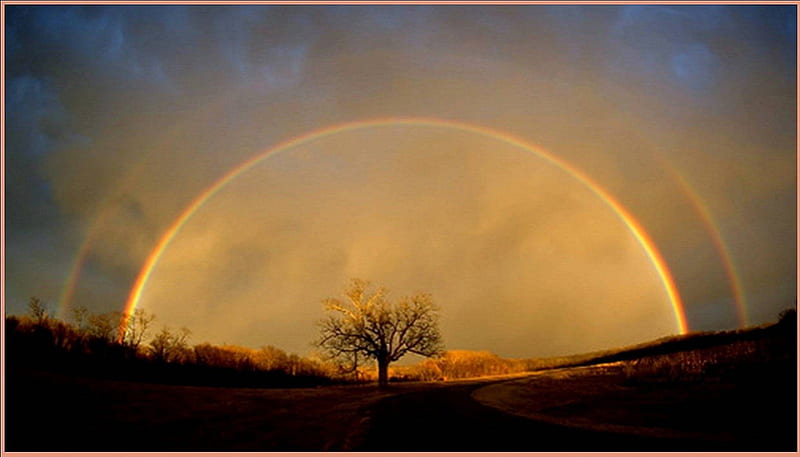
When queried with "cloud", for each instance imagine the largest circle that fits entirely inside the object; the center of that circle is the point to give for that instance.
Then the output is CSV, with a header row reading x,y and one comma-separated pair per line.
x,y
497,235
117,118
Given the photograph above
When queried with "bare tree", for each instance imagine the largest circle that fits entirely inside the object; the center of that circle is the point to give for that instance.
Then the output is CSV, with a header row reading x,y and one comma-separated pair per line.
x,y
38,310
138,325
367,325
79,316
103,326
168,346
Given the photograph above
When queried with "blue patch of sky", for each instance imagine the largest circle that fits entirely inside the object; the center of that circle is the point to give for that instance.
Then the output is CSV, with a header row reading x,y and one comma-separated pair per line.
x,y
96,36
271,62
34,118
695,66
783,21
661,41
33,128
412,26
285,65
235,37
31,109
133,54
692,49
12,31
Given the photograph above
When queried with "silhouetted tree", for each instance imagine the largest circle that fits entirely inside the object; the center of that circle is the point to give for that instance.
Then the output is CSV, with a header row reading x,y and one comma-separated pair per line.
x,y
38,310
46,343
79,317
272,358
138,325
367,325
103,326
167,346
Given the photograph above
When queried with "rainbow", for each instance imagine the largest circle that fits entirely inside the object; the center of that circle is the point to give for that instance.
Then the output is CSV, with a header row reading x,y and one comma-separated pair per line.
x,y
627,218
716,238
68,291
71,281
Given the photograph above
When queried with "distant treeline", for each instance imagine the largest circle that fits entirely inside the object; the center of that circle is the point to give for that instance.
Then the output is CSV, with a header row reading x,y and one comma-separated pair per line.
x,y
96,345
693,356
458,364
680,357
90,345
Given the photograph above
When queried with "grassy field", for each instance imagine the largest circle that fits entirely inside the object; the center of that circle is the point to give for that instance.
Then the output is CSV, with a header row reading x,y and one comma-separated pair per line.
x,y
753,416
737,389
730,391
50,412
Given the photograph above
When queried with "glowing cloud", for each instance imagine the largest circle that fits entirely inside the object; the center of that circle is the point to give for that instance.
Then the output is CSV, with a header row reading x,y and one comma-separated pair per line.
x,y
633,225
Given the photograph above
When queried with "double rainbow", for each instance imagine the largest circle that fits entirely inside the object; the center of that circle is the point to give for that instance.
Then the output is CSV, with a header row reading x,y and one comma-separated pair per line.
x,y
701,209
627,218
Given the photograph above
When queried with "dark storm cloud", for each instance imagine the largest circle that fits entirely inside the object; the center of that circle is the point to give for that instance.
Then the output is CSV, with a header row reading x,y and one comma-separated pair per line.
x,y
117,117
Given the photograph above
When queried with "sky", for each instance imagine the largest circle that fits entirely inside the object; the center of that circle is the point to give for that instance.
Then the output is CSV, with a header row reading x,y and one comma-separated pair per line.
x,y
526,133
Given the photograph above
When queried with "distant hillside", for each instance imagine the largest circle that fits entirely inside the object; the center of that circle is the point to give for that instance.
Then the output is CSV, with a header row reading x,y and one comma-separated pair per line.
x,y
690,355
782,333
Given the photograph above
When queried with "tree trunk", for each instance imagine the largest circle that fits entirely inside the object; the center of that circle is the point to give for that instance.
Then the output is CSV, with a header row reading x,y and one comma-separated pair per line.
x,y
383,371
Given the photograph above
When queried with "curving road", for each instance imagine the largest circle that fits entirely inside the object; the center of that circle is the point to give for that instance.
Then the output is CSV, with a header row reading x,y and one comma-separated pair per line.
x,y
449,419
49,412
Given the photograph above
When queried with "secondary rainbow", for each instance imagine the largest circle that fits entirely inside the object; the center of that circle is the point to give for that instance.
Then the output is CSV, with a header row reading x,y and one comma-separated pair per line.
x,y
71,283
106,207
719,244
633,225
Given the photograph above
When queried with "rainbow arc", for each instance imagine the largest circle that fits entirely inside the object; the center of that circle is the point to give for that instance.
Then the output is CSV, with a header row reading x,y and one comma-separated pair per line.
x,y
624,215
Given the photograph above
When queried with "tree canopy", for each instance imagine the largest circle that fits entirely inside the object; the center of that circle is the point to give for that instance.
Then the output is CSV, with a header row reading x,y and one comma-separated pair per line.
x,y
366,324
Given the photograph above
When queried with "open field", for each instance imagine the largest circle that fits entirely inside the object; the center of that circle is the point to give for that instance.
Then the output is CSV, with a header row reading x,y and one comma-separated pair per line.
x,y
729,391
84,414
712,414
574,409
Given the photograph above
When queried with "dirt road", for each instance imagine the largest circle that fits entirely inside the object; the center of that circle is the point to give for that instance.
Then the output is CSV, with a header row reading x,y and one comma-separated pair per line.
x,y
47,412
449,419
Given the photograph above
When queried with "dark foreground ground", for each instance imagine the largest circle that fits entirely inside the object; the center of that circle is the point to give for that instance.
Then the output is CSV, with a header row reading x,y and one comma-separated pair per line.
x,y
48,412
450,420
